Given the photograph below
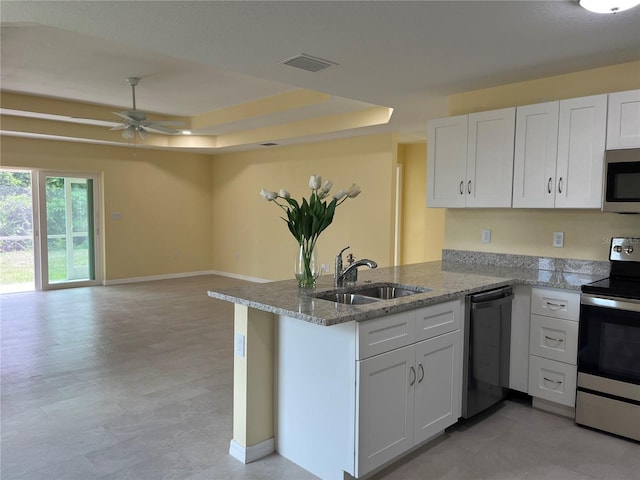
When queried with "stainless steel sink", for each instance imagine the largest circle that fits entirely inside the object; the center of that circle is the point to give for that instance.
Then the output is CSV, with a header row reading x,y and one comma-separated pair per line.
x,y
361,295
346,298
385,292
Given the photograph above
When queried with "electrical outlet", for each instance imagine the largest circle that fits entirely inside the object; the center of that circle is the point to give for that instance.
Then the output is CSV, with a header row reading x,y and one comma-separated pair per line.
x,y
239,345
486,236
325,268
558,239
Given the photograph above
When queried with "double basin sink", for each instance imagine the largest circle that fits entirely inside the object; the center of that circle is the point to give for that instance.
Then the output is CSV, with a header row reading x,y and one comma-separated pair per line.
x,y
362,295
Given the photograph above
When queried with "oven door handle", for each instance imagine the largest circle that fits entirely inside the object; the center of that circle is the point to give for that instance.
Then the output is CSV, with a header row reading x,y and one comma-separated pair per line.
x,y
610,302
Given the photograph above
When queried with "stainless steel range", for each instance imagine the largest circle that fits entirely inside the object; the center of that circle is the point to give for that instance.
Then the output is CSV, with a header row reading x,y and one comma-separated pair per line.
x,y
608,396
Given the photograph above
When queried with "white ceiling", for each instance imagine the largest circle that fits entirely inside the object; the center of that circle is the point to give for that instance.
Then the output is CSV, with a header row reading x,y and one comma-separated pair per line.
x,y
201,56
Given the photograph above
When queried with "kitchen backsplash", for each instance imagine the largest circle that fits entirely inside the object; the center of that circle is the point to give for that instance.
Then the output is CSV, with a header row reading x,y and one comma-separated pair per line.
x,y
568,265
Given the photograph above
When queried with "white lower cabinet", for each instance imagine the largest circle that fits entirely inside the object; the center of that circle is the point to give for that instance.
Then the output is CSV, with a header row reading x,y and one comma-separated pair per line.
x,y
354,396
553,346
407,396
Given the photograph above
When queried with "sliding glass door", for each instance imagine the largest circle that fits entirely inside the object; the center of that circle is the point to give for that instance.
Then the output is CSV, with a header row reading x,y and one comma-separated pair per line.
x,y
17,264
68,229
49,230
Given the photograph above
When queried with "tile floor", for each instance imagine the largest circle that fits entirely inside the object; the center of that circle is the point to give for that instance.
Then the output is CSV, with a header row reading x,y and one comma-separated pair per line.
x,y
135,382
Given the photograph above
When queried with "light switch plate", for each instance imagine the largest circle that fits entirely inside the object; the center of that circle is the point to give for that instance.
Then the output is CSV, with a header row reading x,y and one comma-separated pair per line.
x,y
486,236
558,239
239,350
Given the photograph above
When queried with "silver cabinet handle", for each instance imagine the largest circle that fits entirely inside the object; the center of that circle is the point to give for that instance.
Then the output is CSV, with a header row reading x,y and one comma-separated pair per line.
x,y
560,185
461,187
549,184
557,305
557,382
469,187
413,371
421,372
554,339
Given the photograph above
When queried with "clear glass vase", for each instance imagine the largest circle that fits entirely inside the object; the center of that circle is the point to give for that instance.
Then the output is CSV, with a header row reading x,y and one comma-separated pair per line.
x,y
307,267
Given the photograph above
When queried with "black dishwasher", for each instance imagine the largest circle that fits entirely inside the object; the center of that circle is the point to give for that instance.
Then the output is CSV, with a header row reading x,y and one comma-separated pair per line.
x,y
487,336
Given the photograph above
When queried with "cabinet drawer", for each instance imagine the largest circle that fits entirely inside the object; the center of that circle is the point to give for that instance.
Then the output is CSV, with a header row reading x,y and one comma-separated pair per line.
x,y
555,303
382,334
554,338
437,319
551,380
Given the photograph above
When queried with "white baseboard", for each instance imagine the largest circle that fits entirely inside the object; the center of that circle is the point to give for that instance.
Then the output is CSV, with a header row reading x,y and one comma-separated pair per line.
x,y
169,276
253,452
240,277
152,278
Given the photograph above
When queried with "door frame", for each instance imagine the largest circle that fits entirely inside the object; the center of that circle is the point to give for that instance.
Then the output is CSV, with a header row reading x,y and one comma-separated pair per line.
x,y
38,179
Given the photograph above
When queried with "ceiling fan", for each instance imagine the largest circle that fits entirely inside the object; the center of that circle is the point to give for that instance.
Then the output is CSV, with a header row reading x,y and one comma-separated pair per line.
x,y
135,121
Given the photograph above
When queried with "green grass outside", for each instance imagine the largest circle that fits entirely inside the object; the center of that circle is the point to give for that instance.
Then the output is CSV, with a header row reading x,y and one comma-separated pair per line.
x,y
17,267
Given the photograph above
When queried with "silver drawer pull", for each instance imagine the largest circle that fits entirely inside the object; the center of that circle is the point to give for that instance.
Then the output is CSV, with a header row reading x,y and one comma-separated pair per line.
x,y
421,372
557,382
554,339
556,305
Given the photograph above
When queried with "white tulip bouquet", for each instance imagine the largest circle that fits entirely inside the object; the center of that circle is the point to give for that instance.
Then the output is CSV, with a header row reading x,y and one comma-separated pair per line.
x,y
308,219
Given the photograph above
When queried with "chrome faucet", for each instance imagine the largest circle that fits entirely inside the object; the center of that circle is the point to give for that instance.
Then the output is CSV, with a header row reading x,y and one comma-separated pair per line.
x,y
340,274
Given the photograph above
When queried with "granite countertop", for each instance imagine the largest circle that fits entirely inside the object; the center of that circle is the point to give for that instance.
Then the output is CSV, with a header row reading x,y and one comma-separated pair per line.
x,y
447,280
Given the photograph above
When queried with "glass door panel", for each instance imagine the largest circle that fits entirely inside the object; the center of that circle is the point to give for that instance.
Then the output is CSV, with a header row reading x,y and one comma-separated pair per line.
x,y
69,206
17,266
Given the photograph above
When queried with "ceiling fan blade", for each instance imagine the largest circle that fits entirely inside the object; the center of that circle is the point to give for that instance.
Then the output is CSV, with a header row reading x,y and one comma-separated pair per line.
x,y
122,126
125,116
169,123
154,127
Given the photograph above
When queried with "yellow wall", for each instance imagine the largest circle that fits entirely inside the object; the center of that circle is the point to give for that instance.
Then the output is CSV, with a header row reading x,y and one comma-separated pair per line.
x,y
422,229
164,199
528,232
250,238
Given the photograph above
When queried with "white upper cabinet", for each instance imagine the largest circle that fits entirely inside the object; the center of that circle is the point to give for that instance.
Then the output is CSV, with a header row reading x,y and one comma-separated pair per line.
x,y
581,143
559,154
536,149
623,124
490,141
447,161
470,160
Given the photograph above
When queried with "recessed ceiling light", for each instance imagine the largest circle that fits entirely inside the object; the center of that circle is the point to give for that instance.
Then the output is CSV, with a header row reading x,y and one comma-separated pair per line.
x,y
268,144
186,132
608,6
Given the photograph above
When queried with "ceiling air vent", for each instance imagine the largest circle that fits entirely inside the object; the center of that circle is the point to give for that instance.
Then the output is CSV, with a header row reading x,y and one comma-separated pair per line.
x,y
309,63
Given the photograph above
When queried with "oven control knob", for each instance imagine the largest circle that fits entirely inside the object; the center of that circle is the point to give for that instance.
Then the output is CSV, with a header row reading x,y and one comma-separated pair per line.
x,y
617,248
629,250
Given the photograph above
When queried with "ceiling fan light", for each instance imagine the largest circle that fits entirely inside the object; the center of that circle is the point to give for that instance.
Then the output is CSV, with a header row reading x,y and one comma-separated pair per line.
x,y
143,133
608,6
129,132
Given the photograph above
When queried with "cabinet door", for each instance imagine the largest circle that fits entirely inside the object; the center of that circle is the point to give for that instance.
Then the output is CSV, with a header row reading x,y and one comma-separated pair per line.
x,y
623,120
386,399
581,140
536,147
489,179
438,388
446,161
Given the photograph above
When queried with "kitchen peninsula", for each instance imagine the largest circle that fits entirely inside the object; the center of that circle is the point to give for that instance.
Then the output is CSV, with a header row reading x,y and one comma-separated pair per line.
x,y
301,362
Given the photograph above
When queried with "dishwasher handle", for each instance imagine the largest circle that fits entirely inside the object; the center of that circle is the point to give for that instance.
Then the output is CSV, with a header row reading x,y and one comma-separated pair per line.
x,y
491,299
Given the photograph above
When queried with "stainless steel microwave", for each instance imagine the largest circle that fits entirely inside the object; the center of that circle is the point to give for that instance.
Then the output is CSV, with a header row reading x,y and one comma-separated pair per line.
x,y
622,181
